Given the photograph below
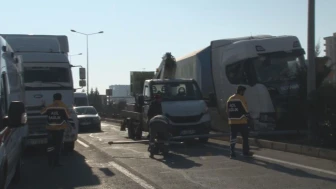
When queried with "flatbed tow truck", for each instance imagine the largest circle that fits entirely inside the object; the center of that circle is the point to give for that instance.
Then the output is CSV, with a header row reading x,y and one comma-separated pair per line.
x,y
182,104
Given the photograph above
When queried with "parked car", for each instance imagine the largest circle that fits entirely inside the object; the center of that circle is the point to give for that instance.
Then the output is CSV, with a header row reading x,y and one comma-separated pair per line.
x,y
88,118
11,142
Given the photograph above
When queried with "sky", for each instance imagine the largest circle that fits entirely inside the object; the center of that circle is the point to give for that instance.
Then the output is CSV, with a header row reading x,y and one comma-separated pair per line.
x,y
138,33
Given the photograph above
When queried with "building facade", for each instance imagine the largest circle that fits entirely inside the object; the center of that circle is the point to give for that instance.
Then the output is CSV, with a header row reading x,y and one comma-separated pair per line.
x,y
330,50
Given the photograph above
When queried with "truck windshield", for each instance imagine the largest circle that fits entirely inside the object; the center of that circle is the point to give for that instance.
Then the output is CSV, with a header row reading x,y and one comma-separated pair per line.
x,y
177,91
276,67
46,74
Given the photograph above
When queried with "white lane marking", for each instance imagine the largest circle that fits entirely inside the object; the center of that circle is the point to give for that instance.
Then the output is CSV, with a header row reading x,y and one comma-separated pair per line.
x,y
282,162
83,144
135,178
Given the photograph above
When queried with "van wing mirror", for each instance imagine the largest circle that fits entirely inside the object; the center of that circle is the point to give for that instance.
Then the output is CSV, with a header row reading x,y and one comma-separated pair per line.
x,y
82,73
17,116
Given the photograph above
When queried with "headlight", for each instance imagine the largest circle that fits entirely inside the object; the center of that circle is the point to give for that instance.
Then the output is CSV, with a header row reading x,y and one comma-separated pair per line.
x,y
96,119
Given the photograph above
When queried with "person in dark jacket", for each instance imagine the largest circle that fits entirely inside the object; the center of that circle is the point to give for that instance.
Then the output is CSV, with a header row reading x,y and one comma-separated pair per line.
x,y
57,117
155,108
238,114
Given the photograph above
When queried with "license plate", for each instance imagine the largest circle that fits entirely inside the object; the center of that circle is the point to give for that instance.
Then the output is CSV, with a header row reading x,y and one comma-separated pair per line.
x,y
86,123
188,132
37,141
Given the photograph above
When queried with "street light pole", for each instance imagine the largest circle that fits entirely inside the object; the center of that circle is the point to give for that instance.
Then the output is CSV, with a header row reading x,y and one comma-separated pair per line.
x,y
87,63
87,54
311,75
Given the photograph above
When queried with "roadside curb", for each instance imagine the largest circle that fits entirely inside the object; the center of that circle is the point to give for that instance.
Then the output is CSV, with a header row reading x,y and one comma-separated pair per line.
x,y
280,146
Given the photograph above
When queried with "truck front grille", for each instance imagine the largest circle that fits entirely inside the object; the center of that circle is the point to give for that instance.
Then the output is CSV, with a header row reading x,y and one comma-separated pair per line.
x,y
37,125
185,119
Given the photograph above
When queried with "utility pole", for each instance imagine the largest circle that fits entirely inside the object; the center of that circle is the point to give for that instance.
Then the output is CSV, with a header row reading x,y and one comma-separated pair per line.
x,y
311,75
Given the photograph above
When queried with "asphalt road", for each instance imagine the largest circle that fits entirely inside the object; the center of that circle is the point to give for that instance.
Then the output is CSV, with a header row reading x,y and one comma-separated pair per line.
x,y
95,164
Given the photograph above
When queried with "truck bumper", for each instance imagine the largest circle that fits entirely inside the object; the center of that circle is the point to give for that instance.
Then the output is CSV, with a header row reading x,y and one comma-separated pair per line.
x,y
185,130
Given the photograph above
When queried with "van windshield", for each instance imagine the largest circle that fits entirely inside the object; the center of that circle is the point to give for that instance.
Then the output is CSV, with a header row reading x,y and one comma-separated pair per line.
x,y
46,74
177,91
81,101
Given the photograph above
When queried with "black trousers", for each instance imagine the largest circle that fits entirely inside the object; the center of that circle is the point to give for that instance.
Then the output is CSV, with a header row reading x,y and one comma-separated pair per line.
x,y
244,131
160,131
55,141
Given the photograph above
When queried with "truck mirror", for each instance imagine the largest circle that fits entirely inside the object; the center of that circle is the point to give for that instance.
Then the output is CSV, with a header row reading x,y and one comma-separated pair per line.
x,y
82,74
82,83
141,100
17,116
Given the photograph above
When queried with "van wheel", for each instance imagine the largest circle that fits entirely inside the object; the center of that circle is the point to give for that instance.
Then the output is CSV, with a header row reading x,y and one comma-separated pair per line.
x,y
17,175
69,146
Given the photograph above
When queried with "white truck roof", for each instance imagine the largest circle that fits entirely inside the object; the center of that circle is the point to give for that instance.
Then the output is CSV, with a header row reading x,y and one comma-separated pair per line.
x,y
37,43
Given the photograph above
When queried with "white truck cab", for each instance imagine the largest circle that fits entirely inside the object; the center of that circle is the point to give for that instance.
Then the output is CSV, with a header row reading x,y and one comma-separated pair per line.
x,y
46,70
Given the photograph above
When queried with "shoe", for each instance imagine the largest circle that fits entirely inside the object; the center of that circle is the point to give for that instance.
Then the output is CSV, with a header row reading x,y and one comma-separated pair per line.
x,y
232,156
250,154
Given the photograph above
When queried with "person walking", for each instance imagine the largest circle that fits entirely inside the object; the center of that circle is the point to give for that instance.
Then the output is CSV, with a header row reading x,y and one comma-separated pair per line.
x,y
237,112
57,117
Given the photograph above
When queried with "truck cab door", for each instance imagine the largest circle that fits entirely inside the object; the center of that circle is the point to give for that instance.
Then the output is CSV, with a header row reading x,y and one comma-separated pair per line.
x,y
145,107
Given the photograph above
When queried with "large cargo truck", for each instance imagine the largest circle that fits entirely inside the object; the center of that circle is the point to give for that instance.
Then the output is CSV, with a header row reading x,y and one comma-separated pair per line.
x,y
46,70
265,65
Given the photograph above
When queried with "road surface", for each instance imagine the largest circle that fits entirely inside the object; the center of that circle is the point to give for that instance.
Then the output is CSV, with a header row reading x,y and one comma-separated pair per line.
x,y
95,164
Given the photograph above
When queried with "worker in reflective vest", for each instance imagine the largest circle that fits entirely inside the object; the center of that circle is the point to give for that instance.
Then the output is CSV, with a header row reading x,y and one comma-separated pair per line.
x,y
57,117
237,112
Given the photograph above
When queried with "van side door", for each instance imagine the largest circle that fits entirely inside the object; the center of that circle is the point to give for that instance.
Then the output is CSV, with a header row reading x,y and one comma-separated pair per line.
x,y
12,136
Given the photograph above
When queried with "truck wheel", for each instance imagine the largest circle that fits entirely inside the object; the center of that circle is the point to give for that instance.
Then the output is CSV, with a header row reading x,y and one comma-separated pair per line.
x,y
130,130
69,146
17,174
138,133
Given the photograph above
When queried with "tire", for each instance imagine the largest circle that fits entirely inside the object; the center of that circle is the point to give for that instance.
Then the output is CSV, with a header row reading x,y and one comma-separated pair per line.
x,y
99,128
17,174
69,146
203,140
138,133
130,130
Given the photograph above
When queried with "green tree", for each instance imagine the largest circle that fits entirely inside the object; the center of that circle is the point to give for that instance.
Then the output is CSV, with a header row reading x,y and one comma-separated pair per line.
x,y
317,48
95,99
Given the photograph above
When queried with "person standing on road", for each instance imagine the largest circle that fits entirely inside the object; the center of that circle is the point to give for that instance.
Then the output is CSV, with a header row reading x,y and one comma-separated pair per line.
x,y
237,112
57,117
154,109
